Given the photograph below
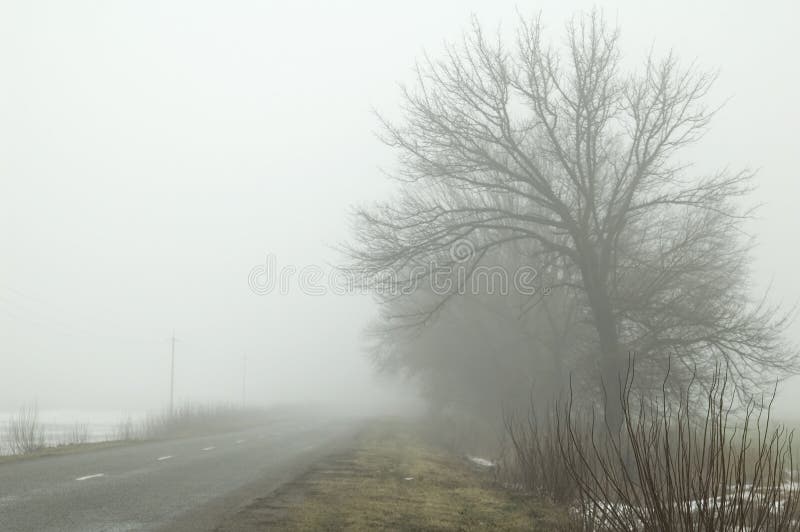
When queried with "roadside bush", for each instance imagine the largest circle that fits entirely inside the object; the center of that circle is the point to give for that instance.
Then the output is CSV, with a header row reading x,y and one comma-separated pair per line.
x,y
189,420
534,462
126,430
79,433
688,464
25,432
193,419
674,468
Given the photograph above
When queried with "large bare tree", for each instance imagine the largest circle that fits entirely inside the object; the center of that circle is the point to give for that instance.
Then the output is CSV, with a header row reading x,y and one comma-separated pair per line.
x,y
562,152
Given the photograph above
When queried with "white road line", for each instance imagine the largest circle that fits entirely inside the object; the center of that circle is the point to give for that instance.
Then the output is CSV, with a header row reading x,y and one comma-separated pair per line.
x,y
208,448
240,441
161,458
87,477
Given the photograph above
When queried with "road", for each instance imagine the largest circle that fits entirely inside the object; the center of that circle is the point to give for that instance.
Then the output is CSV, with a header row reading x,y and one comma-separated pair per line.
x,y
181,484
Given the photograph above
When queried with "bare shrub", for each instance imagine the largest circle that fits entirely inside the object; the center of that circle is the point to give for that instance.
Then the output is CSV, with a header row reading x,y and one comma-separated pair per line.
x,y
189,419
670,468
126,430
78,434
25,432
535,462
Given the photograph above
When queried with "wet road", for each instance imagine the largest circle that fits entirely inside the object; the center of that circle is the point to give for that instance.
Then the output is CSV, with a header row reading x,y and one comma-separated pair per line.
x,y
182,484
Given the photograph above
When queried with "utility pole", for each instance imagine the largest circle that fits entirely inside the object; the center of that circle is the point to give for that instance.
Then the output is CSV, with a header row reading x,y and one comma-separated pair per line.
x,y
244,378
172,377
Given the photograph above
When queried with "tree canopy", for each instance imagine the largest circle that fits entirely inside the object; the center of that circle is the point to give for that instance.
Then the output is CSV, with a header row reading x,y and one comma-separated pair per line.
x,y
559,158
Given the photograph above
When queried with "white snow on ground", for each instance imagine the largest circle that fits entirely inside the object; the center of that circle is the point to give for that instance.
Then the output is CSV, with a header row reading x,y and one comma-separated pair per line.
x,y
603,509
482,462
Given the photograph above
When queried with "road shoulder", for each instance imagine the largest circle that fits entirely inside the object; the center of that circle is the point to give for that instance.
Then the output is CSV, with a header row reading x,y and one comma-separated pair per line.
x,y
392,478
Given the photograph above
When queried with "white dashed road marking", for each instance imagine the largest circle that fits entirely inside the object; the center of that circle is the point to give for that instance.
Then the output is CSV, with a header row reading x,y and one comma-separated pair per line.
x,y
161,458
240,441
208,448
87,477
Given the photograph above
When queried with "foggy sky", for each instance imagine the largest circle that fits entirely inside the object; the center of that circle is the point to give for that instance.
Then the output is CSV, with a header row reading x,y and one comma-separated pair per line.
x,y
153,153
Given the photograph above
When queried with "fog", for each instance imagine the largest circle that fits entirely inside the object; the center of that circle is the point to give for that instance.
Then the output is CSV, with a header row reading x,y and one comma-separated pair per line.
x,y
153,154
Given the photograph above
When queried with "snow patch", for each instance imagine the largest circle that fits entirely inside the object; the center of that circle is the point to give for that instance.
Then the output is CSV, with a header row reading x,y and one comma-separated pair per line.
x,y
481,462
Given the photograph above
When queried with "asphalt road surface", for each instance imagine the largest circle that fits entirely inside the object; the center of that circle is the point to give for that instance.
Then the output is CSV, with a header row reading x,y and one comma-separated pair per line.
x,y
181,484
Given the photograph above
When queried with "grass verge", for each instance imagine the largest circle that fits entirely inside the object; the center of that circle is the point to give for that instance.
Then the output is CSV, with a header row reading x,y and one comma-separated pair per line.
x,y
58,450
395,479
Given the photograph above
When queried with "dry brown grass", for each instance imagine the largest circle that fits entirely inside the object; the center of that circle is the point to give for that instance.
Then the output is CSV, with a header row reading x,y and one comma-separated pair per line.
x,y
395,479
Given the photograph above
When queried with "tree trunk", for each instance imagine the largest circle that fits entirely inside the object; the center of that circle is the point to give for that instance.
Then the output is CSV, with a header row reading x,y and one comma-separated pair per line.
x,y
610,362
611,370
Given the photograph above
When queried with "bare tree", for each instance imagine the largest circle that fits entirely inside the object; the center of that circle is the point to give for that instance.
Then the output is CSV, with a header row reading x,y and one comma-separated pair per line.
x,y
564,154
486,350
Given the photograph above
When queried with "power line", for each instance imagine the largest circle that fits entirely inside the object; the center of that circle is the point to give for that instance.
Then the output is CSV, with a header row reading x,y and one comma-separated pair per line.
x,y
25,311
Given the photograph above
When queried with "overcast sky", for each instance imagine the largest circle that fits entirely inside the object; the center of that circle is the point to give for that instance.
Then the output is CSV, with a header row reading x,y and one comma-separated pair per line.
x,y
153,153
